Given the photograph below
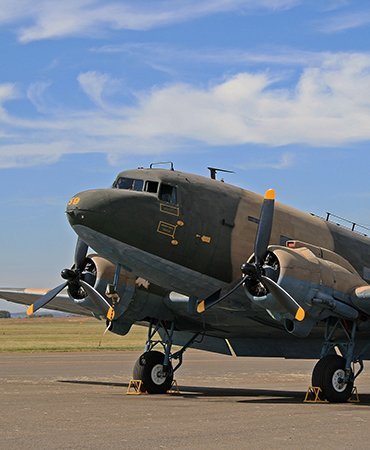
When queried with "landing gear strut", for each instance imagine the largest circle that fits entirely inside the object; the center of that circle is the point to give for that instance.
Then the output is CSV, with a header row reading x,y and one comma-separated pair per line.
x,y
335,373
154,368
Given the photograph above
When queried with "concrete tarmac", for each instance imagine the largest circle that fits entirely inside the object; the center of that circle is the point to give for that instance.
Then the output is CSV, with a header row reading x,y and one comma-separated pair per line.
x,y
79,401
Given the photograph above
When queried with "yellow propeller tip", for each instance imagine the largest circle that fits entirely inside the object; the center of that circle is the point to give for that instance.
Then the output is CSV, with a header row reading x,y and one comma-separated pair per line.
x,y
270,194
201,307
110,314
30,310
300,314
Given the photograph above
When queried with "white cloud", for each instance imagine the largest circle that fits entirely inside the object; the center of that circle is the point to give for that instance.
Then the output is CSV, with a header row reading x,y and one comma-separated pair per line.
x,y
328,106
42,19
8,91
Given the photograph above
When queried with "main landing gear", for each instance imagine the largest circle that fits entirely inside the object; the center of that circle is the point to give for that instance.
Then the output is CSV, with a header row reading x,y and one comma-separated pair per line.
x,y
155,368
335,374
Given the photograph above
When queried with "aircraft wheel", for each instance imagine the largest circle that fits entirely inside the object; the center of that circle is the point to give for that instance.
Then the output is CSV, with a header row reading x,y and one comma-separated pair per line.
x,y
328,374
149,369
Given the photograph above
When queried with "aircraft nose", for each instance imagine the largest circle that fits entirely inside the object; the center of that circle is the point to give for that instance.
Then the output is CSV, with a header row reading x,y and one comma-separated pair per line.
x,y
87,205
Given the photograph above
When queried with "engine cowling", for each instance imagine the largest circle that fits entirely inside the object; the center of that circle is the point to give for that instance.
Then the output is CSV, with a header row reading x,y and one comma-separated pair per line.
x,y
99,272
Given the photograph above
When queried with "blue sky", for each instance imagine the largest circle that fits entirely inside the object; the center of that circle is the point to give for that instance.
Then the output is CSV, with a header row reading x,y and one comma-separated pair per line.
x,y
276,90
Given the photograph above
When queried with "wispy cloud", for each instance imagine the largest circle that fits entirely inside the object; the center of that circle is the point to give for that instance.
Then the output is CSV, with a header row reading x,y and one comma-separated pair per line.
x,y
285,161
42,19
329,105
97,86
333,5
158,54
36,94
345,21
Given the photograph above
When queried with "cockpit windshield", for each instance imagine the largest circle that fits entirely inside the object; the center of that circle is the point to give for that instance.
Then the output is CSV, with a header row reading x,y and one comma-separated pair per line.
x,y
129,184
165,192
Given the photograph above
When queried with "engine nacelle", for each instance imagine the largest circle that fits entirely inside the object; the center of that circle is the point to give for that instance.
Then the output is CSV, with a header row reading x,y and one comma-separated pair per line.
x,y
307,273
99,272
137,297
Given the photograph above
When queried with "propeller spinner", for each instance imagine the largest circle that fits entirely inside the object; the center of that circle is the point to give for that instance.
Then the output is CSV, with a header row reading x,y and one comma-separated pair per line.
x,y
254,271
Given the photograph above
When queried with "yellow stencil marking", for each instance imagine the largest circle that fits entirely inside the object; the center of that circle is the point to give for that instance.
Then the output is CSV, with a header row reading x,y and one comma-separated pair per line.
x,y
74,201
173,210
110,314
205,239
167,228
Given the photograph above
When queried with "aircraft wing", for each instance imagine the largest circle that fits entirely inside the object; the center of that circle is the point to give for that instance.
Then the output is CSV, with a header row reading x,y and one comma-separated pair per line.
x,y
26,296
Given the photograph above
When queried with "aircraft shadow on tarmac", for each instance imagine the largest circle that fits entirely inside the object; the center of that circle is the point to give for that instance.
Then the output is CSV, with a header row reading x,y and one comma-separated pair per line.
x,y
263,395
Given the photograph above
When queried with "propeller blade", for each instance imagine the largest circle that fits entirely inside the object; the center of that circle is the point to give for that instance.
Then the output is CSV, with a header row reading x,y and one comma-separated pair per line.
x,y
285,299
216,297
99,300
80,254
264,227
42,301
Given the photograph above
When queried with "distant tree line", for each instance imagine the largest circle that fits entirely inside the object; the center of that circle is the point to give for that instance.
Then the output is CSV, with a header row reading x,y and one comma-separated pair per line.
x,y
5,315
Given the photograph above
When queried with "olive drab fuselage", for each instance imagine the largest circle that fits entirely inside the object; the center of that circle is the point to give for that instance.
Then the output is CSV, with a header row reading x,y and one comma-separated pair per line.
x,y
207,226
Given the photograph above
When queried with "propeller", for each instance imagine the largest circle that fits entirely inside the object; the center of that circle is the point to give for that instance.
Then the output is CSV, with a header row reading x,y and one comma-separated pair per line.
x,y
255,272
75,280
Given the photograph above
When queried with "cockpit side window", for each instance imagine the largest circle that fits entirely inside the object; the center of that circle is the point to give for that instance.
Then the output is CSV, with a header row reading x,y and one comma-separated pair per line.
x,y
129,184
151,186
168,193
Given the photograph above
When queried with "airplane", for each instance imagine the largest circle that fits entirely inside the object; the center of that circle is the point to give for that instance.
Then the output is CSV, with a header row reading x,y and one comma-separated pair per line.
x,y
212,266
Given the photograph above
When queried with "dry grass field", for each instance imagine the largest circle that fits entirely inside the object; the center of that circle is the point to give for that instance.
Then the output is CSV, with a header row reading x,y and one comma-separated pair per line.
x,y
65,334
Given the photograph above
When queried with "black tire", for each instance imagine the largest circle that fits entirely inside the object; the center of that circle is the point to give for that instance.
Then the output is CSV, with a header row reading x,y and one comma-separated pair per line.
x,y
327,374
317,373
148,369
